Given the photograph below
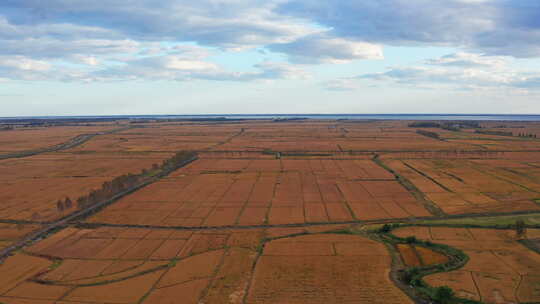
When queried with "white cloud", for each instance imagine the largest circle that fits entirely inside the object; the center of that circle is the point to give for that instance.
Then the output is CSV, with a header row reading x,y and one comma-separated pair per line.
x,y
463,59
178,63
55,48
139,37
323,49
277,70
22,63
226,24
88,60
496,27
460,71
181,68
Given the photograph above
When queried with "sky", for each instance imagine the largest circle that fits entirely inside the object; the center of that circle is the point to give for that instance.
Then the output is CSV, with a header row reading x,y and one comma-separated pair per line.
x,y
80,57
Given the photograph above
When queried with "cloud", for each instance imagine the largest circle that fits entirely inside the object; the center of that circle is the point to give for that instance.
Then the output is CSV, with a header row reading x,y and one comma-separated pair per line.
x,y
191,63
24,68
227,24
165,67
340,85
323,49
23,64
460,71
497,27
133,39
54,48
88,60
463,59
494,27
173,63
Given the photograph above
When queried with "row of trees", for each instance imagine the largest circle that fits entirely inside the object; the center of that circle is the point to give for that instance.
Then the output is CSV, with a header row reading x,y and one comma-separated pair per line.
x,y
125,182
447,125
428,134
492,132
505,133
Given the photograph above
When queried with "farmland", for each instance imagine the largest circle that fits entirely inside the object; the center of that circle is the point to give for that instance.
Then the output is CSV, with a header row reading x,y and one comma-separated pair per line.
x,y
262,211
254,192
500,270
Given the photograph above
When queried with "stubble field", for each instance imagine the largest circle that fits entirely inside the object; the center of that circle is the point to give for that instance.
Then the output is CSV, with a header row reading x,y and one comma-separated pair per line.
x,y
269,212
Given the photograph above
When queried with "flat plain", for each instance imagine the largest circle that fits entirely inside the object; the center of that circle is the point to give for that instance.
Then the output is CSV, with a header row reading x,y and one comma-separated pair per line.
x,y
268,211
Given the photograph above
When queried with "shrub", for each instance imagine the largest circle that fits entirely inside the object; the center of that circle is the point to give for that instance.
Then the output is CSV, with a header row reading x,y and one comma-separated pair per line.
x,y
385,228
410,239
443,294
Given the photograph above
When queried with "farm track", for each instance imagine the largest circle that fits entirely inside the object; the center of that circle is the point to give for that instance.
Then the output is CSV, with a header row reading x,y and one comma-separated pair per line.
x,y
50,227
300,225
72,143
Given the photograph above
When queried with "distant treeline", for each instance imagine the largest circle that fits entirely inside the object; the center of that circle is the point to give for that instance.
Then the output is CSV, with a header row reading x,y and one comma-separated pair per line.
x,y
55,121
428,134
288,119
447,125
202,119
424,124
505,133
491,132
127,181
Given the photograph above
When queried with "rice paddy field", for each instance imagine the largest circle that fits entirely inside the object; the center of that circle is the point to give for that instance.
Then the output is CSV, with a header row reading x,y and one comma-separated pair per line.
x,y
269,212
500,270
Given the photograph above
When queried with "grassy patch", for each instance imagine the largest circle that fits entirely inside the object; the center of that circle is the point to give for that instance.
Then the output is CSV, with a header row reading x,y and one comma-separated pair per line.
x,y
488,221
413,276
55,264
339,231
172,262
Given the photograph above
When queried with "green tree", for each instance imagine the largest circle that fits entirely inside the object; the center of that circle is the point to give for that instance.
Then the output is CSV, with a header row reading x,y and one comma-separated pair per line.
x,y
410,239
443,294
385,228
60,206
68,203
521,229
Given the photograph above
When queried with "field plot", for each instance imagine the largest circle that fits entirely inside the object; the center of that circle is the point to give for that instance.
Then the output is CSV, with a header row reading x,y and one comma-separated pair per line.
x,y
502,143
35,138
10,233
310,136
328,136
500,136
325,268
31,186
228,192
517,128
473,186
259,217
419,256
162,138
399,141
113,265
119,265
500,269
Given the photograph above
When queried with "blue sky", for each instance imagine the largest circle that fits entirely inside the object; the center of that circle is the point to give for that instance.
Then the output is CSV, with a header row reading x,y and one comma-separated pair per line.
x,y
79,57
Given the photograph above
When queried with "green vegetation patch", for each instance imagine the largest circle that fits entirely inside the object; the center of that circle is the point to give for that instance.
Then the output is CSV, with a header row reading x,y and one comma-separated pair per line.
x,y
413,276
531,220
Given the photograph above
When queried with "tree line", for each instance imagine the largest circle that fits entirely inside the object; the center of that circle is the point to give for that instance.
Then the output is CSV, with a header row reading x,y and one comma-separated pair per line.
x,y
428,134
125,182
492,132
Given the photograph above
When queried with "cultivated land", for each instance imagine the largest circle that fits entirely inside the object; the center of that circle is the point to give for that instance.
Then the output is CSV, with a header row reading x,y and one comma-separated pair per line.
x,y
262,211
